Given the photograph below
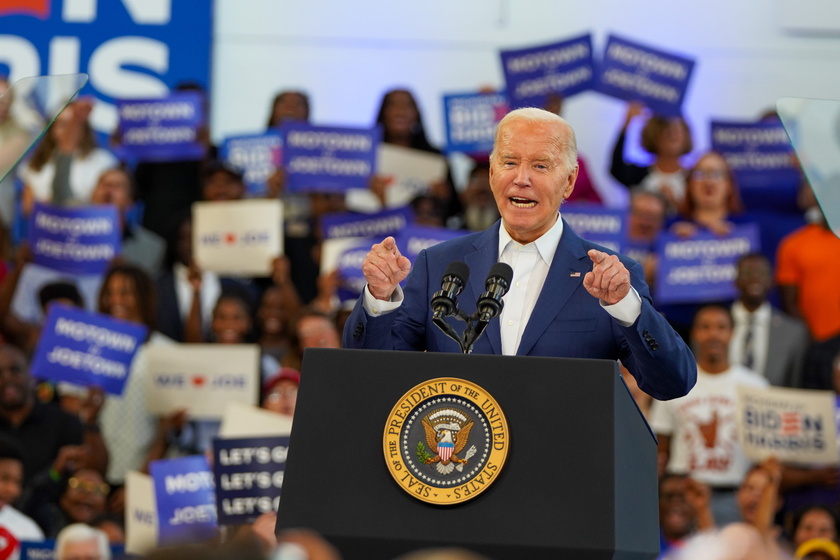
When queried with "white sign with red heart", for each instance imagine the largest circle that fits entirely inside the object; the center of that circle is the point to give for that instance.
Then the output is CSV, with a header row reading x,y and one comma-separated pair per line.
x,y
201,378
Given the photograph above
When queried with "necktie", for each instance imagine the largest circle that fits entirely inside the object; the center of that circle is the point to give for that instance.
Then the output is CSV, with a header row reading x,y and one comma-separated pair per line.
x,y
749,359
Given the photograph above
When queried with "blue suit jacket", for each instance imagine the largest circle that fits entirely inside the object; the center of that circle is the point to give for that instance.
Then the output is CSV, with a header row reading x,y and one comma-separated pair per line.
x,y
566,322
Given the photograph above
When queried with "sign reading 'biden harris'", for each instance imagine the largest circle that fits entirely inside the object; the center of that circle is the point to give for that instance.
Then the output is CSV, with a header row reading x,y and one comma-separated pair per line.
x,y
446,441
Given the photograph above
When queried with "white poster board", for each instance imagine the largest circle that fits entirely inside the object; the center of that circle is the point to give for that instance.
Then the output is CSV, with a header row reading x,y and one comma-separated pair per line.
x,y
240,237
202,378
793,425
239,421
141,525
410,173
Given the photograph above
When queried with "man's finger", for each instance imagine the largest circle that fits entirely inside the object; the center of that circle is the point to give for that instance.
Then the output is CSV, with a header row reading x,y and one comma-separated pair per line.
x,y
597,256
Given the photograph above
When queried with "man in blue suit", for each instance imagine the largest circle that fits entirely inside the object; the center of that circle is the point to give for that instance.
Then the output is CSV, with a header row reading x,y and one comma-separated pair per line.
x,y
568,297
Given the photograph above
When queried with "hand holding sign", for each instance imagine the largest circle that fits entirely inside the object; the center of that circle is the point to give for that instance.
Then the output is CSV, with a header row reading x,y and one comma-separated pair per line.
x,y
609,279
385,268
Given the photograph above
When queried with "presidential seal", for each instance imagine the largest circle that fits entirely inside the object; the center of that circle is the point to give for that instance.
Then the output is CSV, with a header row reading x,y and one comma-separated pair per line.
x,y
446,441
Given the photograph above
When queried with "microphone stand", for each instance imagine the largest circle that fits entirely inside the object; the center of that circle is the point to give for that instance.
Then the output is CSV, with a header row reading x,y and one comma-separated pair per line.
x,y
472,332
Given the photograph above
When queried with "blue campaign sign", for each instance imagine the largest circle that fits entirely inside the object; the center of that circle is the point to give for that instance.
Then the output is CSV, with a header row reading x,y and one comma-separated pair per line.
x,y
471,120
414,239
378,225
130,48
638,72
257,155
604,226
87,348
249,476
74,240
701,268
563,68
164,129
759,153
351,278
331,159
638,251
186,500
45,550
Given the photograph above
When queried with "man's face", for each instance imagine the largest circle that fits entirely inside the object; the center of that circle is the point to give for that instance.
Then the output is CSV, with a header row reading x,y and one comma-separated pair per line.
x,y
749,494
529,178
113,188
675,515
84,497
754,280
80,550
647,215
14,380
222,186
711,333
317,332
11,480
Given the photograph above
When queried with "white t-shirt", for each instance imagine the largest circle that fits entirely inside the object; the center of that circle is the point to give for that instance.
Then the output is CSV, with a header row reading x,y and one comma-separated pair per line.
x,y
84,173
656,180
20,527
703,429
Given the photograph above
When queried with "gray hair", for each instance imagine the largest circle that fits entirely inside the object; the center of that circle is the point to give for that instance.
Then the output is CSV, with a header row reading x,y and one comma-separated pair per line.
x,y
567,142
79,532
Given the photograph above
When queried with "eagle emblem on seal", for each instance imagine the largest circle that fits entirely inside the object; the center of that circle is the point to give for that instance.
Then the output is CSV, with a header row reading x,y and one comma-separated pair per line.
x,y
447,432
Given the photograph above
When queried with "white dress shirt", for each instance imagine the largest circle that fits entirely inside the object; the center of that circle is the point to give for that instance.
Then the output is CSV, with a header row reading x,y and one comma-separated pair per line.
x,y
760,335
530,264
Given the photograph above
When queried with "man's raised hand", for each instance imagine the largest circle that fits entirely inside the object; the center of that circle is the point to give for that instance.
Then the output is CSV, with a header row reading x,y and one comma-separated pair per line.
x,y
384,268
609,279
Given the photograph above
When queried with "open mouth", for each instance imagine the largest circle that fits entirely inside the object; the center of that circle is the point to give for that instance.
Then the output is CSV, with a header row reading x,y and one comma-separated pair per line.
x,y
522,202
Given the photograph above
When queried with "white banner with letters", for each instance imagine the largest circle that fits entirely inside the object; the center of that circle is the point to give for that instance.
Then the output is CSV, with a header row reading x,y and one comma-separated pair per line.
x,y
202,378
240,237
141,525
793,425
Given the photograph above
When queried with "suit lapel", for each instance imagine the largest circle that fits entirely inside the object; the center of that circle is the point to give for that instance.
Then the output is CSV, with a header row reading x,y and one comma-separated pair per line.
x,y
565,274
484,256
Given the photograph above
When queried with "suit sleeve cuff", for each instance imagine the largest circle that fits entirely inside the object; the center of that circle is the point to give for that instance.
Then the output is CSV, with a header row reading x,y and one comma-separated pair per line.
x,y
627,310
376,307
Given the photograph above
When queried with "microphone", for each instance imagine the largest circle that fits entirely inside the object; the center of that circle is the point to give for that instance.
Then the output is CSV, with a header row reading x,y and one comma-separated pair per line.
x,y
490,303
444,303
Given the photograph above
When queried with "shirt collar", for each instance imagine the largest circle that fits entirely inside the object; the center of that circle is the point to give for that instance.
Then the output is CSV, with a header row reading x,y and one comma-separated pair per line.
x,y
546,244
762,314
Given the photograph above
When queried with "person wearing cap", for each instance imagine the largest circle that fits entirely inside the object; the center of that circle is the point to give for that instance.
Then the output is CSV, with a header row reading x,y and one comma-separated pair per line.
x,y
818,549
280,391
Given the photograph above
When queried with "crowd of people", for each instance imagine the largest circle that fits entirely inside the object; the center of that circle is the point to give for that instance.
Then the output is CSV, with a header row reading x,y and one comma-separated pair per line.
x,y
65,450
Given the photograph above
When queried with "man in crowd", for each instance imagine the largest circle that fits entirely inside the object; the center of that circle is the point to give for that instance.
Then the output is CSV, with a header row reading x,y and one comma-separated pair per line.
x,y
81,542
568,297
50,437
765,340
697,433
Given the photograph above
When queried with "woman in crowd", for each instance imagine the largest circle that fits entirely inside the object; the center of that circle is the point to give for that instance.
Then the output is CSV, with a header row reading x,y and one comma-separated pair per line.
x,y
402,125
67,163
813,522
667,139
128,294
82,498
712,202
